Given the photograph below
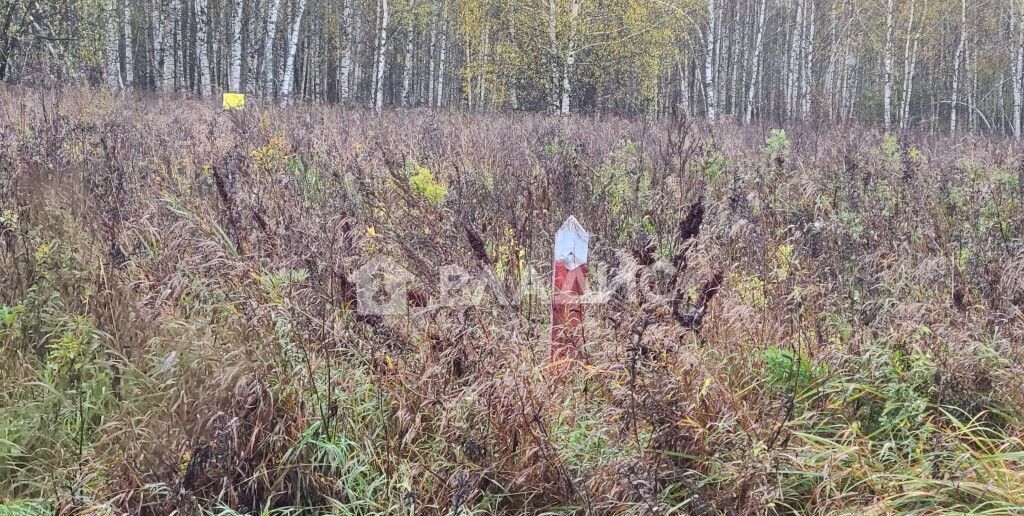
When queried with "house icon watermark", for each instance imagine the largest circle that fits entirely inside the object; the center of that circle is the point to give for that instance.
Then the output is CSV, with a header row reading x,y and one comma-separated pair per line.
x,y
382,287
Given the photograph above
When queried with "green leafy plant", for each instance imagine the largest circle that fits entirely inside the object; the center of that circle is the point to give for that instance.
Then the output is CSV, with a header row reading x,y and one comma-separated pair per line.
x,y
424,184
891,149
790,371
776,146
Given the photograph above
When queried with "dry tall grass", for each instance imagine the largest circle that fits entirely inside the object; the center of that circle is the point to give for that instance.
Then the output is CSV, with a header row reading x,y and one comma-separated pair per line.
x,y
840,332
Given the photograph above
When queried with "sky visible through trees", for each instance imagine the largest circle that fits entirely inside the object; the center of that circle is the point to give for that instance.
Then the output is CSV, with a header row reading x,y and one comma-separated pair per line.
x,y
931,65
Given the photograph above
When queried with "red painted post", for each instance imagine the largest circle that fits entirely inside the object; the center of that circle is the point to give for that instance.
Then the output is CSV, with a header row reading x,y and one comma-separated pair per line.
x,y
569,282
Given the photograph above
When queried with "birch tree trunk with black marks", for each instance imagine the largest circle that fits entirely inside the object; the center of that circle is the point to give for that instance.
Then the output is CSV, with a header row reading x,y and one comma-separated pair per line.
x,y
203,49
755,68
957,60
909,66
570,57
274,11
890,22
808,63
288,76
383,15
235,70
112,55
345,67
711,99
1017,23
129,45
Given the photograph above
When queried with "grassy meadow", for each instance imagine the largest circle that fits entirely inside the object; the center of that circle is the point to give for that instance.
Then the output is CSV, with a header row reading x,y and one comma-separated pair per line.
x,y
802,319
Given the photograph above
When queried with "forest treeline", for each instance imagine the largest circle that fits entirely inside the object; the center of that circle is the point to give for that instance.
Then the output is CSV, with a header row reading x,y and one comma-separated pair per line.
x,y
935,65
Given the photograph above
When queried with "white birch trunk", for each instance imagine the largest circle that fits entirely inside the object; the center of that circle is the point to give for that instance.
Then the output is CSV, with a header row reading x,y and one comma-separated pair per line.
x,y
346,56
833,75
112,55
235,70
407,67
1018,68
737,36
288,77
442,59
956,67
709,64
167,50
553,49
202,49
570,58
793,67
755,72
268,48
890,22
808,64
383,15
909,66
156,21
431,62
684,88
970,67
129,46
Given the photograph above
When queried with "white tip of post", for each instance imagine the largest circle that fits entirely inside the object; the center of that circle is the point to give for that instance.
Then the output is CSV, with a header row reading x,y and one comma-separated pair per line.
x,y
571,243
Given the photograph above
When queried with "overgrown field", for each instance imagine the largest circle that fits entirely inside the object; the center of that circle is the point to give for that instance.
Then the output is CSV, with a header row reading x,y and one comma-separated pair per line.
x,y
816,320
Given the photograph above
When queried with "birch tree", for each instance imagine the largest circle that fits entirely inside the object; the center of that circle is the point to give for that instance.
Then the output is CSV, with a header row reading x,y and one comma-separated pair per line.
x,y
755,69
273,12
570,57
1017,28
890,22
203,49
764,60
345,66
957,60
442,59
383,14
129,45
808,63
171,16
709,62
909,65
235,70
288,77
407,61
112,56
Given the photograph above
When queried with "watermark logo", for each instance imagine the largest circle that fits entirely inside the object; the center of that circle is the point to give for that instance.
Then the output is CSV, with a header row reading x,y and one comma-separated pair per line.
x,y
382,287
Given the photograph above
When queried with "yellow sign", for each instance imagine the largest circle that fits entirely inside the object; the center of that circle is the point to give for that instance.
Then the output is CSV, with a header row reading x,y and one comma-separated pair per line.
x,y
234,100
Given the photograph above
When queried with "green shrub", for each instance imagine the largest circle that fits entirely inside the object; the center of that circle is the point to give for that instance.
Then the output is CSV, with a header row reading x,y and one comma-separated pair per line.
x,y
790,371
776,146
891,149
424,184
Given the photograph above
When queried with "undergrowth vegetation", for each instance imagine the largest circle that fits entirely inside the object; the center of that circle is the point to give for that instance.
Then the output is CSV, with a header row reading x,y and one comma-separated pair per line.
x,y
814,321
